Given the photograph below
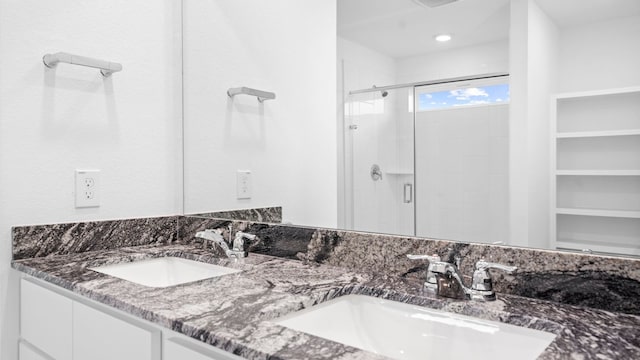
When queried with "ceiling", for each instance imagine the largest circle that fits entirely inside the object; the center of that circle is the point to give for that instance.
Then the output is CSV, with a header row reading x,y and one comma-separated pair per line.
x,y
402,28
568,13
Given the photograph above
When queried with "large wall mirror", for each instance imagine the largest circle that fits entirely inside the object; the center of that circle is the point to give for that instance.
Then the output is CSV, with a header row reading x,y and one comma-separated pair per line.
x,y
522,128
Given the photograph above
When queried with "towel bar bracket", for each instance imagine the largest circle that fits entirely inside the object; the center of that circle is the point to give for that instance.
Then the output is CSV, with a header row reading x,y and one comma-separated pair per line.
x,y
106,67
261,95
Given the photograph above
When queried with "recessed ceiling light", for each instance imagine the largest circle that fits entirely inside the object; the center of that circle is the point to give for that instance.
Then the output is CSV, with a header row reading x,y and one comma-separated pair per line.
x,y
443,37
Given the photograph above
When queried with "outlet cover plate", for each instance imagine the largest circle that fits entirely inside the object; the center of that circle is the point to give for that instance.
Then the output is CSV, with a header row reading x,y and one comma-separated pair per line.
x,y
87,188
243,184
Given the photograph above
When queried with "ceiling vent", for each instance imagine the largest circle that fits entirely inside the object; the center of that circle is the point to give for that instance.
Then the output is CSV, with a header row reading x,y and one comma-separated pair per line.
x,y
433,3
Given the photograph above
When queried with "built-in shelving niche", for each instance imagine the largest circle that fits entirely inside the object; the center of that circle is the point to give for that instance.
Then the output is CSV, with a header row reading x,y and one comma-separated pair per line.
x,y
596,171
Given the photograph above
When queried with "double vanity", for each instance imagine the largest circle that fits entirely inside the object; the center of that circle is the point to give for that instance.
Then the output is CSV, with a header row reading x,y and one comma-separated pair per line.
x,y
177,297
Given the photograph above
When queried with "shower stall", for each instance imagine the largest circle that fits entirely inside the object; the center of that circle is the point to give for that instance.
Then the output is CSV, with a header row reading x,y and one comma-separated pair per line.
x,y
429,159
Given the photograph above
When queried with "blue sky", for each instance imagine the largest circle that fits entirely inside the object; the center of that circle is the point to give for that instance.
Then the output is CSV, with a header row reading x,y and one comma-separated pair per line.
x,y
489,94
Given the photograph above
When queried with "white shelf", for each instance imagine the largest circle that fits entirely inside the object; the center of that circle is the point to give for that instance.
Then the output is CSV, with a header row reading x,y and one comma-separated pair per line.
x,y
580,94
577,246
589,134
595,147
599,212
598,172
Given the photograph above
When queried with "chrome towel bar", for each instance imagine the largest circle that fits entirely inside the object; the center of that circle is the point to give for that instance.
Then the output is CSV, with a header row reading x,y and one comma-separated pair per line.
x,y
261,95
106,67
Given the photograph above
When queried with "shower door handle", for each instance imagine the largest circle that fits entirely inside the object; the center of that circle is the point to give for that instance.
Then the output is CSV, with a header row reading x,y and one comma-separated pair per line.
x,y
408,193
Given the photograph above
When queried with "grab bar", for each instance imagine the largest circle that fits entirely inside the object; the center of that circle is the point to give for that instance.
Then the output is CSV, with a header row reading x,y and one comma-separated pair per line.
x,y
106,67
261,95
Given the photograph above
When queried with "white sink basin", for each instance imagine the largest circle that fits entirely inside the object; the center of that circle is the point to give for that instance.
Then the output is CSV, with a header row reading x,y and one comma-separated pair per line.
x,y
403,331
165,271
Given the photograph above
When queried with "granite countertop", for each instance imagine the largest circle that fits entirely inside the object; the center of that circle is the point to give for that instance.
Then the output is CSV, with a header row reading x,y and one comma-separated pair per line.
x,y
233,312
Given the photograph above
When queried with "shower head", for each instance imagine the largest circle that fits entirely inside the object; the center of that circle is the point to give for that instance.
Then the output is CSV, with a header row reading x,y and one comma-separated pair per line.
x,y
384,93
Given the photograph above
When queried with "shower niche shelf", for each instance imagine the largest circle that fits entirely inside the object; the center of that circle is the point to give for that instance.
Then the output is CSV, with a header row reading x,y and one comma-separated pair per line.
x,y
595,184
399,172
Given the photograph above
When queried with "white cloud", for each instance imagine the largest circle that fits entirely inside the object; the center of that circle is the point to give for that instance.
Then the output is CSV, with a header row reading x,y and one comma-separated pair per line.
x,y
466,94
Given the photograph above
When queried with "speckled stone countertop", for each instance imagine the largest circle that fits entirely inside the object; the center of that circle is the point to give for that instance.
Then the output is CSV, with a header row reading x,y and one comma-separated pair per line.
x,y
233,312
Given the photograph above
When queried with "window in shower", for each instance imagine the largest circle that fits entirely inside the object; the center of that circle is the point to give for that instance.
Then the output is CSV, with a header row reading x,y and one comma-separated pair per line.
x,y
464,95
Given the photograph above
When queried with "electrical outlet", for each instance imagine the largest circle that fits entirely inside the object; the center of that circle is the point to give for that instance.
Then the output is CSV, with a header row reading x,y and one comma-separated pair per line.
x,y
87,188
243,184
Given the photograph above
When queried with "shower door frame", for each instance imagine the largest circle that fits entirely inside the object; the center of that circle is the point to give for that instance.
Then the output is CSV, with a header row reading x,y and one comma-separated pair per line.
x,y
349,218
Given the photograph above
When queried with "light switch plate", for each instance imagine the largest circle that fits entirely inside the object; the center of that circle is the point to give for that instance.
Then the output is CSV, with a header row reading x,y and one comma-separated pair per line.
x,y
87,188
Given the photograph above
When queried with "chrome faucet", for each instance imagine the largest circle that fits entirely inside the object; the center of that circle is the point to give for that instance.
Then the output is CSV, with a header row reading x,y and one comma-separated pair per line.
x,y
445,280
215,236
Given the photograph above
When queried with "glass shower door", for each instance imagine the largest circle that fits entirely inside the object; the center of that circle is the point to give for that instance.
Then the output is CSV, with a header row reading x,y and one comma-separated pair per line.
x,y
462,160
379,162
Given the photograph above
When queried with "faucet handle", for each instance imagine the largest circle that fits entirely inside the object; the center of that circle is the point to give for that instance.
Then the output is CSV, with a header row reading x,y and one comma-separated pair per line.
x,y
482,279
483,265
210,234
238,242
431,258
241,234
431,282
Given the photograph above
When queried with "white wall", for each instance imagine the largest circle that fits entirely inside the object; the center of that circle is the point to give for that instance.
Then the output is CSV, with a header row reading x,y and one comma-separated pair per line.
x,y
600,55
534,54
55,121
364,67
284,46
518,173
471,60
543,75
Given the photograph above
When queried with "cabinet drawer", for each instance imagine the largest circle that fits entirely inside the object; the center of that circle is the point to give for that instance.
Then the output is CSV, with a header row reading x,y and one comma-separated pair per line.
x,y
100,336
45,320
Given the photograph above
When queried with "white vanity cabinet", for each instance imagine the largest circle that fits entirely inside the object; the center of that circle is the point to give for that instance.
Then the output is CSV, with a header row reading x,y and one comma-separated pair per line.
x,y
45,321
56,324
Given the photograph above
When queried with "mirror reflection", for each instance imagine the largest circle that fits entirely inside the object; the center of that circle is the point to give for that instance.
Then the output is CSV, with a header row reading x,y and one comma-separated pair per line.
x,y
421,143
501,121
